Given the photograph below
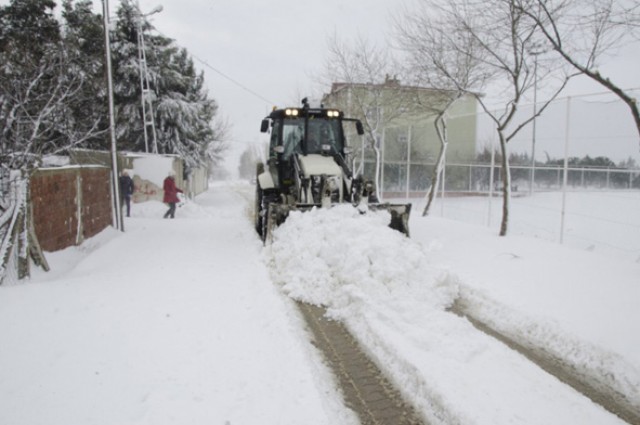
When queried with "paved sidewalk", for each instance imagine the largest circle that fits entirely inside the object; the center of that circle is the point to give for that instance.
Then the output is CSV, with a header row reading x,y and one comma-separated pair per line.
x,y
365,389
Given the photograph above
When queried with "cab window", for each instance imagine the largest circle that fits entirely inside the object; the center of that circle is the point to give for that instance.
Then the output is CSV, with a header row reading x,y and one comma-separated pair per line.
x,y
292,135
276,130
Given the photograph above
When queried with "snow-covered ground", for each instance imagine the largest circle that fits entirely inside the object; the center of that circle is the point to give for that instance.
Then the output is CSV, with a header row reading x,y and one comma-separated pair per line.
x,y
603,221
192,321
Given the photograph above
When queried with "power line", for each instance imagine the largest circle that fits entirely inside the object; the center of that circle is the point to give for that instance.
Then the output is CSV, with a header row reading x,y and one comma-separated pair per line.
x,y
222,74
243,87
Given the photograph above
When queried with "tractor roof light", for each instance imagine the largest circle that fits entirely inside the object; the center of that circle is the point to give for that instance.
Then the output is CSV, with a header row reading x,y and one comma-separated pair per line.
x,y
333,114
291,112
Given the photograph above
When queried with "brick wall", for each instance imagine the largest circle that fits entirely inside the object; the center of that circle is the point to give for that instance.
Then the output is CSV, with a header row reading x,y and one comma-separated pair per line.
x,y
70,204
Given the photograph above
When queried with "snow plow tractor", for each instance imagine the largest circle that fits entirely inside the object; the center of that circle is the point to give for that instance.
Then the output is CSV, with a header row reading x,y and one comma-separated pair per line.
x,y
308,168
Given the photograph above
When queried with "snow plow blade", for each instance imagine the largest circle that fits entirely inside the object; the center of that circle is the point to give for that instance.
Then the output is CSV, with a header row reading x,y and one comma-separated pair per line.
x,y
399,215
278,213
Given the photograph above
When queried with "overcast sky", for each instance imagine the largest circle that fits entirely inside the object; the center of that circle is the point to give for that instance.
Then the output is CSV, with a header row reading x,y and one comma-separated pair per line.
x,y
272,48
276,49
261,54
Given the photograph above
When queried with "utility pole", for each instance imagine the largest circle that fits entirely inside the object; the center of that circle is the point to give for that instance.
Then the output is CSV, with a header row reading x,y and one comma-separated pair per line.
x,y
112,125
145,89
536,50
533,128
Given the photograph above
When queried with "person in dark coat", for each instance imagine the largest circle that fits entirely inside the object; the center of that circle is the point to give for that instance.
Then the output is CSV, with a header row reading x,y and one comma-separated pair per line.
x,y
126,190
170,195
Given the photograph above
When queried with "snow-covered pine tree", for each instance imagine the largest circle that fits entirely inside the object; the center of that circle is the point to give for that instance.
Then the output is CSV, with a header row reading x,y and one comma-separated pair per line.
x,y
184,114
83,37
126,76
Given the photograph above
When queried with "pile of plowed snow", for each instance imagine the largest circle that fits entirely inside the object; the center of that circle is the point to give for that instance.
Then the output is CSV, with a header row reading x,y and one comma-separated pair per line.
x,y
390,294
343,259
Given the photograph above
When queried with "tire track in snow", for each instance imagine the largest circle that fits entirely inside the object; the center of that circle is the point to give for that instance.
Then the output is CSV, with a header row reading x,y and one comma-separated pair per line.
x,y
588,385
365,388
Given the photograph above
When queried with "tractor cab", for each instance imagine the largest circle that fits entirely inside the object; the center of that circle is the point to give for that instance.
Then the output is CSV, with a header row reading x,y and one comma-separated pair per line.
x,y
306,138
306,131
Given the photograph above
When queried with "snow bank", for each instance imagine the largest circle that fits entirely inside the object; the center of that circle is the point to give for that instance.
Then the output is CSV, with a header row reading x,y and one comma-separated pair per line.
x,y
393,297
345,260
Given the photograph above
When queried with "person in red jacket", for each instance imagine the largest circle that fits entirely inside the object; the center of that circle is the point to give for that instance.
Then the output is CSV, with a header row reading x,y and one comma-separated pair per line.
x,y
170,194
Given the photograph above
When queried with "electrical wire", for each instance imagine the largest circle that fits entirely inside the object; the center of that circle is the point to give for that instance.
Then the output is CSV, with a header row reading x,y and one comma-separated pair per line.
x,y
225,76
242,86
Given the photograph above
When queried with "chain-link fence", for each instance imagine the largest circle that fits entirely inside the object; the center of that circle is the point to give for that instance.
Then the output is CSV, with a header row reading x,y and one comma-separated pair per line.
x,y
577,163
413,180
596,210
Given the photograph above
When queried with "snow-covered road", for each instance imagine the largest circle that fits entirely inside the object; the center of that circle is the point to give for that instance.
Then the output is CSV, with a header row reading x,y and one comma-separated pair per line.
x,y
191,321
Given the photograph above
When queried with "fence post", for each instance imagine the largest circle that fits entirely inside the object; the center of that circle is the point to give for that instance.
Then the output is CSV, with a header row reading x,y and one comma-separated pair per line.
x,y
444,175
380,186
408,160
79,205
566,169
493,163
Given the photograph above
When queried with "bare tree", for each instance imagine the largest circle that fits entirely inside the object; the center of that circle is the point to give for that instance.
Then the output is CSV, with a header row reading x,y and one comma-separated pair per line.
x,y
41,82
436,59
35,119
219,144
375,95
495,35
582,32
34,112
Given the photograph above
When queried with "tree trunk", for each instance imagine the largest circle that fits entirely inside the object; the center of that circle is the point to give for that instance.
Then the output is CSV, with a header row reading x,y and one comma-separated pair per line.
x,y
628,100
441,130
377,180
18,241
506,184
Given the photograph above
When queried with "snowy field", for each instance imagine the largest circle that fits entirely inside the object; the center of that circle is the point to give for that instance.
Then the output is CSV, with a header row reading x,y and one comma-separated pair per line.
x,y
606,222
191,320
